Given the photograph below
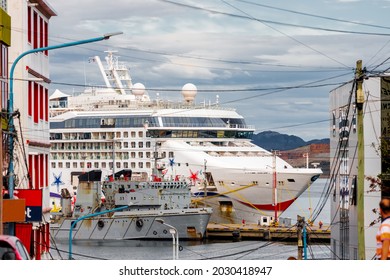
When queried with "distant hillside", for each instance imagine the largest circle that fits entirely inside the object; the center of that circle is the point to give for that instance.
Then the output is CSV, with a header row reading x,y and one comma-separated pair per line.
x,y
271,140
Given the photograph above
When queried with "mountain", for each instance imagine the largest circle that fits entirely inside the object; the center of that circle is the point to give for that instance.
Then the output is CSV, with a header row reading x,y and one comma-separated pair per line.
x,y
271,140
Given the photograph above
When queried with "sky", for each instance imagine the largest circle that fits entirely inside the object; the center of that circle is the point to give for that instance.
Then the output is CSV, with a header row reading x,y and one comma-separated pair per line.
x,y
274,61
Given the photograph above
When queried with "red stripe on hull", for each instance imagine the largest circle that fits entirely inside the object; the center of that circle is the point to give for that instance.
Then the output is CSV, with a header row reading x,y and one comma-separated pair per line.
x,y
270,207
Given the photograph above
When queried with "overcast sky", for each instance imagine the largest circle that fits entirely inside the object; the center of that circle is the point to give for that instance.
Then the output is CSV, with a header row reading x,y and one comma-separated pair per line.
x,y
275,62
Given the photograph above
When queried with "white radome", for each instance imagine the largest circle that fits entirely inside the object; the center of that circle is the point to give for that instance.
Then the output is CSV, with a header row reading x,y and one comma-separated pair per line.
x,y
138,89
189,92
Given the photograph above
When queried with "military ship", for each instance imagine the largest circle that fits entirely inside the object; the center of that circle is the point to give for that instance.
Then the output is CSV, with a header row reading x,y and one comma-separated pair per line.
x,y
123,206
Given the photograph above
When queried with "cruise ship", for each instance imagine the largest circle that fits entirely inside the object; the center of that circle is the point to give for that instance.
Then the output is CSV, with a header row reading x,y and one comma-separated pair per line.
x,y
119,126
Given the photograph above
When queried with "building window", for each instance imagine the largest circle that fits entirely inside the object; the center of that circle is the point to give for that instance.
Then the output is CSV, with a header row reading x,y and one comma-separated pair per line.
x,y
35,30
41,33
30,98
37,99
41,102
46,36
35,102
29,25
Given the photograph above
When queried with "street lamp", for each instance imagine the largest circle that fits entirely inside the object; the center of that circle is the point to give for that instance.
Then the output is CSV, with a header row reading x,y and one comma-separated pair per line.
x,y
10,106
175,242
11,96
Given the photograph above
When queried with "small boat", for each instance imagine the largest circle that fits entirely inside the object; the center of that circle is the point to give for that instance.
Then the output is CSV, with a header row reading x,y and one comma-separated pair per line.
x,y
120,208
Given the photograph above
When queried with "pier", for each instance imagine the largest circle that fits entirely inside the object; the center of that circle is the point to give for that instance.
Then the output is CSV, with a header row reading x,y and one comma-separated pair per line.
x,y
266,233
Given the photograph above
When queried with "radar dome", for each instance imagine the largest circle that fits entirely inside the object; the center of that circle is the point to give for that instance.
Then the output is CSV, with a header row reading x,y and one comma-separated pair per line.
x,y
138,89
189,92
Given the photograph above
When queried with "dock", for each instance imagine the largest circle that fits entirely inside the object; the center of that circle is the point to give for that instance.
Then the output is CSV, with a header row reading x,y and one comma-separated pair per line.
x,y
257,232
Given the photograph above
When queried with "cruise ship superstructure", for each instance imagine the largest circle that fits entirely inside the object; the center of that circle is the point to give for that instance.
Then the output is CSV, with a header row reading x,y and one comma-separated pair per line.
x,y
119,126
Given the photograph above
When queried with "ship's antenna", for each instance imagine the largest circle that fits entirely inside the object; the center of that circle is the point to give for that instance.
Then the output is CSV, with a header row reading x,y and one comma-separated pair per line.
x,y
99,63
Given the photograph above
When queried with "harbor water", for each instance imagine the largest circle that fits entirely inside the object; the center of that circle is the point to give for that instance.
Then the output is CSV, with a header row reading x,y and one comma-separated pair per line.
x,y
306,206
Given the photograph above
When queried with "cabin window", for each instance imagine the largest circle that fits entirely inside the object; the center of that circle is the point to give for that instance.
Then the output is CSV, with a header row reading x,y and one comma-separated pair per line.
x,y
291,180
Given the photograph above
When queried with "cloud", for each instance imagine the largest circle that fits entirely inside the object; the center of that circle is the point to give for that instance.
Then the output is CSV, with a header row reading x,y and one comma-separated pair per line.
x,y
166,46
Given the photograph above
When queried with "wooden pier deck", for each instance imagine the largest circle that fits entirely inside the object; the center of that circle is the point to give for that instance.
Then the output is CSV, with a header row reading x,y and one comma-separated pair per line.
x,y
276,233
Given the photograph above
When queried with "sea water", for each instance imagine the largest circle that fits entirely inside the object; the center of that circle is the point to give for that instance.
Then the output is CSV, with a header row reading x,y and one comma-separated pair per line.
x,y
305,206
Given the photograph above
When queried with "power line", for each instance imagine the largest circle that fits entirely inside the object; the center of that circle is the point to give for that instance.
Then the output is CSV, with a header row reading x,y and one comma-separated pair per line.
x,y
314,15
276,22
285,34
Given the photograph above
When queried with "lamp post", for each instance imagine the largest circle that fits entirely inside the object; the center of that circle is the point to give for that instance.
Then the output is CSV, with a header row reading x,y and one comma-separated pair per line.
x,y
11,182
175,242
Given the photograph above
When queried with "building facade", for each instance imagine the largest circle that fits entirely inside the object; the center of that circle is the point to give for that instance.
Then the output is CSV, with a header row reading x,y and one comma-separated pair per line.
x,y
30,29
344,163
5,42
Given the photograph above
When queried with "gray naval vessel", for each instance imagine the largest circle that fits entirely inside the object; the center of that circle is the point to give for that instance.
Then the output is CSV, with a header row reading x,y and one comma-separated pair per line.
x,y
123,208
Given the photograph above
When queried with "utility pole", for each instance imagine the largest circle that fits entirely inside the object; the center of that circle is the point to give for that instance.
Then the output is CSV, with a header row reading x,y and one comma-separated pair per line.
x,y
1,174
300,224
205,179
360,178
275,190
